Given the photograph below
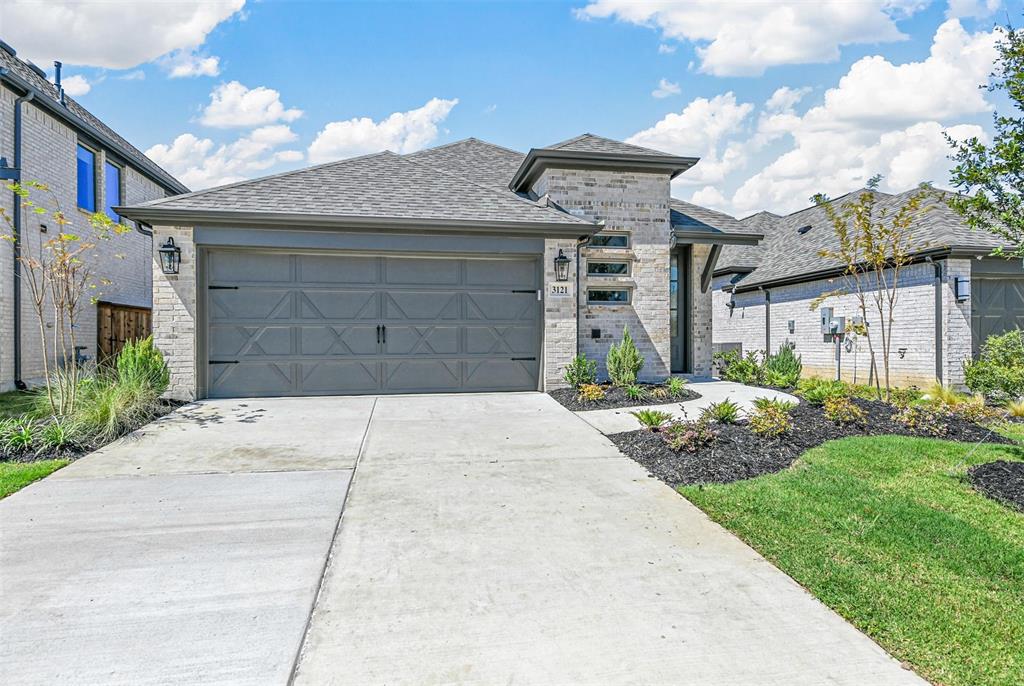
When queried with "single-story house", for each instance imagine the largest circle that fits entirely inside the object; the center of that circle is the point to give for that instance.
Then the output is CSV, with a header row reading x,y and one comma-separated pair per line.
x,y
47,136
952,295
465,267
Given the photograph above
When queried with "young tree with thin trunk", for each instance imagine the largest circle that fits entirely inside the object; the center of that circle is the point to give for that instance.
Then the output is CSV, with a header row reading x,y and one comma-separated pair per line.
x,y
874,243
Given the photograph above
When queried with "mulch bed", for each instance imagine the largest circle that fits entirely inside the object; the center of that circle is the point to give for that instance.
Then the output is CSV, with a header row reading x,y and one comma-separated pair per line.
x,y
615,397
738,453
1000,480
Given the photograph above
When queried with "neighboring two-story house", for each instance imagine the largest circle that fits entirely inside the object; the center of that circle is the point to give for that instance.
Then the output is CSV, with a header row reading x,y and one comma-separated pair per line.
x,y
46,136
465,267
952,295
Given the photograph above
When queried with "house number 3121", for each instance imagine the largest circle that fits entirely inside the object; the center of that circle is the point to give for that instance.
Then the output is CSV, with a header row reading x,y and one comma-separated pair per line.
x,y
559,289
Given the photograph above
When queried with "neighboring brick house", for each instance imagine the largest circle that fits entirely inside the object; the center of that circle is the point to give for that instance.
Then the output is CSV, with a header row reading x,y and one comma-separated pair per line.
x,y
951,297
466,267
46,136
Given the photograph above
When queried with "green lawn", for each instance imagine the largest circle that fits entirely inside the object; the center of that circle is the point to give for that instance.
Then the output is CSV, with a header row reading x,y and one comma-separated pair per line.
x,y
16,475
888,533
15,403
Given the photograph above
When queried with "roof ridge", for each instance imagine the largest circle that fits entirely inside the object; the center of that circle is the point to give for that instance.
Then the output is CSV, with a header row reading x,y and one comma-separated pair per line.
x,y
460,142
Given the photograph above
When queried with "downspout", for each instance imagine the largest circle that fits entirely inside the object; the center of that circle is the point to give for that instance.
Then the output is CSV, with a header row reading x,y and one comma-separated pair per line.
x,y
16,244
767,322
938,318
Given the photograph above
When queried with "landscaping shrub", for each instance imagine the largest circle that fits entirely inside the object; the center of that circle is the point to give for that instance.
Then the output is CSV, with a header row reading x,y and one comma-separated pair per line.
x,y
634,392
901,397
55,435
927,419
660,393
783,369
841,410
689,436
725,412
942,396
741,369
675,386
581,371
589,393
1015,408
816,391
998,373
652,419
624,361
786,406
975,410
771,420
141,364
18,435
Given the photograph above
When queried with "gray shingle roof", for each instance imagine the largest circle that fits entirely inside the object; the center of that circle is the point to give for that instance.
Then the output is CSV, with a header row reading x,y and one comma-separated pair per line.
x,y
378,186
689,217
787,254
473,159
21,69
588,142
746,257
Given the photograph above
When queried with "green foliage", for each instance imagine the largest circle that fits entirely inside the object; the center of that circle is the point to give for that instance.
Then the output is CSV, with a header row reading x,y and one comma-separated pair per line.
x,y
55,435
783,369
941,395
589,393
998,373
724,412
817,391
18,435
786,406
928,419
141,364
975,410
624,361
689,436
841,410
659,393
770,420
744,369
581,371
1015,408
635,392
901,397
652,419
988,176
675,386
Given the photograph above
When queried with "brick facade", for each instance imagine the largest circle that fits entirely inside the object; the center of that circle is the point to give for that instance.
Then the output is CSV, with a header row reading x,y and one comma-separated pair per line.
x,y
174,311
49,155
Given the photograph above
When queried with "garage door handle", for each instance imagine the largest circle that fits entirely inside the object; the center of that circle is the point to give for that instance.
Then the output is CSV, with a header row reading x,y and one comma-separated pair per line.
x,y
384,330
523,359
223,361
223,288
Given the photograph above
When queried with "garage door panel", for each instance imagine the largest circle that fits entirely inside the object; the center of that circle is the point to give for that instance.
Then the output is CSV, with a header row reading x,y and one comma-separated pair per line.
x,y
997,306
302,323
355,340
339,304
422,340
422,305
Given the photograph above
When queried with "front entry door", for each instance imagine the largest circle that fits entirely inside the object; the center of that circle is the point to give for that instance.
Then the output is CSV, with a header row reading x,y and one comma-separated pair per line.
x,y
680,310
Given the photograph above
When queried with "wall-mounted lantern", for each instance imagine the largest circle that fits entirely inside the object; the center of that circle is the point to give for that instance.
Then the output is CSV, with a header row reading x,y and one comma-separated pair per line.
x,y
962,288
561,267
170,257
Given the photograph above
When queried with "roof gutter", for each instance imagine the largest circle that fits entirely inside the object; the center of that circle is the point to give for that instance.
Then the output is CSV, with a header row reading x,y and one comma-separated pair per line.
x,y
46,102
289,220
716,238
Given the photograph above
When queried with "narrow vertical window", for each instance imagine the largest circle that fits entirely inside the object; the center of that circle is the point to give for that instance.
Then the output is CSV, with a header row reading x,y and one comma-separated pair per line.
x,y
112,190
86,179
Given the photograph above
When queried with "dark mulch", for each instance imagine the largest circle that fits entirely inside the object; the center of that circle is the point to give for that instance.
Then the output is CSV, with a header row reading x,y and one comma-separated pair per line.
x,y
615,397
738,453
74,452
1000,480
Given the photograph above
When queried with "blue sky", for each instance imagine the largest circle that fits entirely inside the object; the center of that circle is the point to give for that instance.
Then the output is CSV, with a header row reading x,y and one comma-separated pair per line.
x,y
218,91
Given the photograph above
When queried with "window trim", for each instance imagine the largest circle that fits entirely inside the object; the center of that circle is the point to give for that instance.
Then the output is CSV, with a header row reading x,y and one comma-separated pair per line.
x,y
95,177
120,188
611,303
599,260
625,234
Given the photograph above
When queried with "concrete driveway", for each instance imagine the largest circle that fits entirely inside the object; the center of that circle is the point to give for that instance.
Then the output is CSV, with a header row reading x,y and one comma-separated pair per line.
x,y
485,539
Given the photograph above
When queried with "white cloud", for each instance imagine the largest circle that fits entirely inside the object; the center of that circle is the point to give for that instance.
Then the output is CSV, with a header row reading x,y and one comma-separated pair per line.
x,y
785,99
199,163
972,8
76,85
115,35
401,132
186,64
739,37
709,196
666,49
234,105
698,130
665,89
136,75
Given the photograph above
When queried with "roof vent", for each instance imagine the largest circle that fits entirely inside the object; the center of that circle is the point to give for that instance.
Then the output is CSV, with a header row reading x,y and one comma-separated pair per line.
x,y
803,229
8,49
37,70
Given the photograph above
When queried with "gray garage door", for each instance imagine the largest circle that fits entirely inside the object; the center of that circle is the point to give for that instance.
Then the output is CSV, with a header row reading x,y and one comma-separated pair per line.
x,y
997,306
321,324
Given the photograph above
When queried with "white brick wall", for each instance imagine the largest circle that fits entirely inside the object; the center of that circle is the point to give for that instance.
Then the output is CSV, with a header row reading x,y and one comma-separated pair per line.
x,y
559,315
49,155
174,311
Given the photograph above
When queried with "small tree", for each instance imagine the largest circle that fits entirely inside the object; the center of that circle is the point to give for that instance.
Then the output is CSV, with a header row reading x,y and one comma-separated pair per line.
x,y
874,244
60,274
624,361
991,177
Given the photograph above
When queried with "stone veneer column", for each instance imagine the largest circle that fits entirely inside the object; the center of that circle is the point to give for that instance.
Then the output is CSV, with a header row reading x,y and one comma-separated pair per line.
x,y
559,315
956,325
636,203
174,312
701,316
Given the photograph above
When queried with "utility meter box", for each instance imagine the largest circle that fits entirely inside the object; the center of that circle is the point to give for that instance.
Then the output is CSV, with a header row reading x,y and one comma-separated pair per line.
x,y
826,319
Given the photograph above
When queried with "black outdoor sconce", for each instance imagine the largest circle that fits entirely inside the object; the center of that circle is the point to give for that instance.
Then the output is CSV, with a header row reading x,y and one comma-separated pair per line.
x,y
170,257
561,267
